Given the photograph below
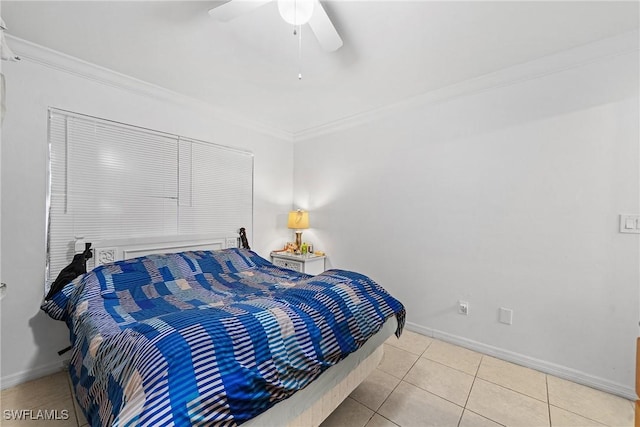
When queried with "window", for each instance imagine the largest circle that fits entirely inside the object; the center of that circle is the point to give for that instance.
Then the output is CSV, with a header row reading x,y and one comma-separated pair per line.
x,y
110,180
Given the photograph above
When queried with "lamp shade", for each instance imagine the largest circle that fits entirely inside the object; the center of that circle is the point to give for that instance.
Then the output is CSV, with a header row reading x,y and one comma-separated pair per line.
x,y
296,12
298,220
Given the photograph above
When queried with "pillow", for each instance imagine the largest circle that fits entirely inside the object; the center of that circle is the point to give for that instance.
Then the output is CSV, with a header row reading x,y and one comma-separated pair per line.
x,y
134,273
231,260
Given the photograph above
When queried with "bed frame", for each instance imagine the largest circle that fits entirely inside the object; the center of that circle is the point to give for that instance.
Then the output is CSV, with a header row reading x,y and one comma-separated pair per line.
x,y
106,251
313,404
306,408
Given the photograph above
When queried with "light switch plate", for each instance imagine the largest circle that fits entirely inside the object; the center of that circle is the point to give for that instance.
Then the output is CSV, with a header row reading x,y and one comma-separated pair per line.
x,y
79,244
629,223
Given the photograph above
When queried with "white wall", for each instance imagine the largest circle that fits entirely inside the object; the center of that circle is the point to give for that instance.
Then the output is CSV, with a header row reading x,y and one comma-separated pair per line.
x,y
29,338
504,198
507,197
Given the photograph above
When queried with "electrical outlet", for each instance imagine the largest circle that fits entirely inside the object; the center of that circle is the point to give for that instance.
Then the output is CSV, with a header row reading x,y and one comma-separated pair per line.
x,y
629,223
231,242
505,315
463,307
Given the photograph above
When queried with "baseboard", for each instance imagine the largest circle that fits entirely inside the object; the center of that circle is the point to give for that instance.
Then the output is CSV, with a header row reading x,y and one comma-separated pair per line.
x,y
31,374
517,358
529,362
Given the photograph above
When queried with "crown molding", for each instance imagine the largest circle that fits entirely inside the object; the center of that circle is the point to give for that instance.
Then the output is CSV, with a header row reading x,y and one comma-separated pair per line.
x,y
62,62
623,44
600,50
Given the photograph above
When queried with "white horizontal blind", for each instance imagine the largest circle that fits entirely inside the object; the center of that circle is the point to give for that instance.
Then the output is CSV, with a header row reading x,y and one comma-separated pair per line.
x,y
109,181
206,196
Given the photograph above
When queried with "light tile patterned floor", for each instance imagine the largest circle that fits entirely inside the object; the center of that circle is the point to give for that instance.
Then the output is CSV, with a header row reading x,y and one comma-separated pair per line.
x,y
420,382
27,401
426,382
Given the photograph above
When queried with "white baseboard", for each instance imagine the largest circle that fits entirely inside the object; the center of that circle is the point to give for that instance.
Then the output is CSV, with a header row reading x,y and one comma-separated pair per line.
x,y
31,374
530,362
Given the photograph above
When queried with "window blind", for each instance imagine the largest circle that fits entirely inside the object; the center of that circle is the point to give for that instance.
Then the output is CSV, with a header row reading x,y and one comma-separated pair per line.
x,y
111,180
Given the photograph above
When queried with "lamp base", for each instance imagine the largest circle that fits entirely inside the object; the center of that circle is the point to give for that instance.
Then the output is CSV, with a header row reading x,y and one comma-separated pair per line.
x,y
298,241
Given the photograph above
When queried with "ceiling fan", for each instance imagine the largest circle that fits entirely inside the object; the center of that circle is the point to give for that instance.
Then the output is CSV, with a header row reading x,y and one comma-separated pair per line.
x,y
295,12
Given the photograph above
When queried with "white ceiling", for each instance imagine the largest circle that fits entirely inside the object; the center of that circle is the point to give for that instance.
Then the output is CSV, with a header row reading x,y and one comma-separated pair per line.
x,y
393,50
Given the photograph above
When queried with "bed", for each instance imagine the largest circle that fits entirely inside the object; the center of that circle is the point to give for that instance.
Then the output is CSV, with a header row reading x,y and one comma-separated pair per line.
x,y
218,337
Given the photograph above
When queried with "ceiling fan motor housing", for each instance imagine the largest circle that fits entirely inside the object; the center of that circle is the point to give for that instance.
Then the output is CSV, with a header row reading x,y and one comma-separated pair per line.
x,y
296,12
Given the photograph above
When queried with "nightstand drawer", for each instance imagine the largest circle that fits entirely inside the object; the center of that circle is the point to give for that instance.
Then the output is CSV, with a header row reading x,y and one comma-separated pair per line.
x,y
308,264
286,263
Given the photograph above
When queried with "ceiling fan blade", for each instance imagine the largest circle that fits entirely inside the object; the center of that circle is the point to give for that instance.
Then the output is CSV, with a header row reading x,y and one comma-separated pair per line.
x,y
323,28
234,8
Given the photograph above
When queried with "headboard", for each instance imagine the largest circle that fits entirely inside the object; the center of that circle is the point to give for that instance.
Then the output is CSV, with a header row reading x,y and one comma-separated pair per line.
x,y
106,251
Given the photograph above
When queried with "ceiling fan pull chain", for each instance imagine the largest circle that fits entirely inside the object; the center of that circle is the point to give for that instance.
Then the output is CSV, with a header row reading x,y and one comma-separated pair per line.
x,y
300,53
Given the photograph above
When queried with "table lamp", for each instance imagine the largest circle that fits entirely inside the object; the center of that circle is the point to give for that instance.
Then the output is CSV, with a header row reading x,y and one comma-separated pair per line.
x,y
298,220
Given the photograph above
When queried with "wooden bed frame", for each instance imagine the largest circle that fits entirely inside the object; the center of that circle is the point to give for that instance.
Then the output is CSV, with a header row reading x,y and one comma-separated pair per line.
x,y
308,407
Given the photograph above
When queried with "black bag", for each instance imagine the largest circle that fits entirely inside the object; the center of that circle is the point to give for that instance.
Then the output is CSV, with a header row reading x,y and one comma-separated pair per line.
x,y
243,239
77,267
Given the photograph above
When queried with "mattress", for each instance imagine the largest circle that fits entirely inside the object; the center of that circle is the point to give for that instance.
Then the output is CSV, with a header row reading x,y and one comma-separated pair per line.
x,y
207,337
310,406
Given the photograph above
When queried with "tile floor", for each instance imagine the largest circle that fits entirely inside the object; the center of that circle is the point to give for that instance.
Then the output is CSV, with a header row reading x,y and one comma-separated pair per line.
x,y
426,382
420,382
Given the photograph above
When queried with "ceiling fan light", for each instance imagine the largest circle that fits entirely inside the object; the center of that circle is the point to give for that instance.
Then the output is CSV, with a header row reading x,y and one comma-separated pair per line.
x,y
296,12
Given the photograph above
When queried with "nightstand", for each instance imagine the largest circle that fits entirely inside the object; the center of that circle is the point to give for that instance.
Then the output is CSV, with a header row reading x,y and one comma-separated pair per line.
x,y
308,264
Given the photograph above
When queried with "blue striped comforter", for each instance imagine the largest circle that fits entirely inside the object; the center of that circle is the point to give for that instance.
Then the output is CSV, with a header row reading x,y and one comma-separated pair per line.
x,y
202,338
